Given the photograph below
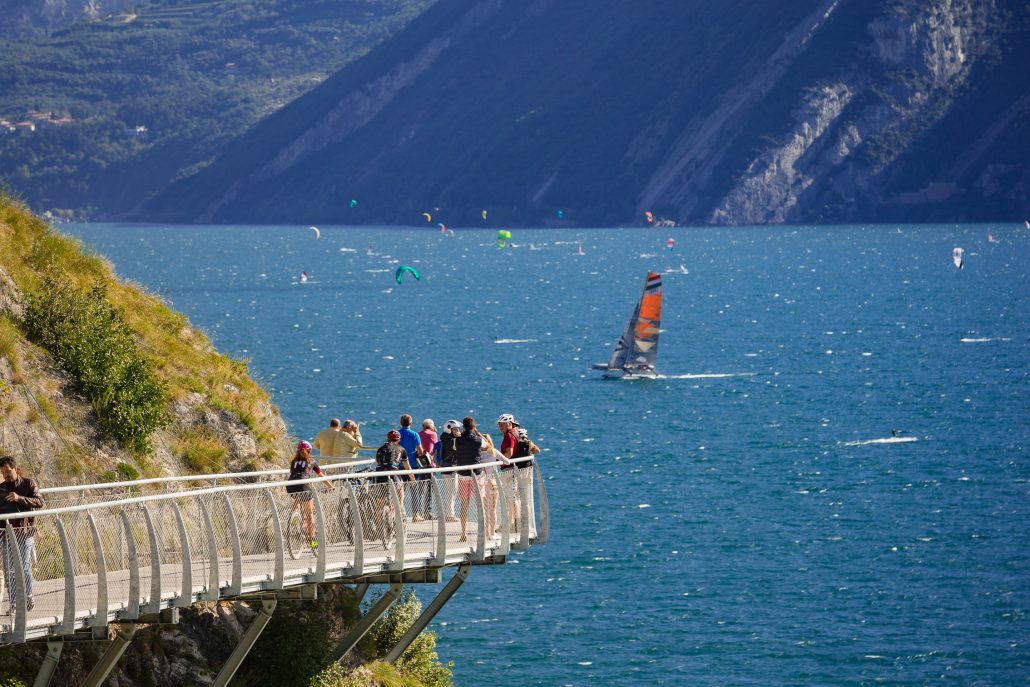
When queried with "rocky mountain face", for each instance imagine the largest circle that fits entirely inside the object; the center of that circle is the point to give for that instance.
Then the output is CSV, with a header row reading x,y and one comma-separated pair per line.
x,y
740,113
33,17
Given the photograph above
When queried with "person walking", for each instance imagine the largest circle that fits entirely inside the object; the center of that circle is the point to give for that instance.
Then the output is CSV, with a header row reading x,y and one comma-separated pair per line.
x,y
325,441
19,495
412,446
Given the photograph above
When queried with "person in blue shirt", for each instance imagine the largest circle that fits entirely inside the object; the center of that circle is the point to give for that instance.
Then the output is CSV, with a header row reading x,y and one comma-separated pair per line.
x,y
412,446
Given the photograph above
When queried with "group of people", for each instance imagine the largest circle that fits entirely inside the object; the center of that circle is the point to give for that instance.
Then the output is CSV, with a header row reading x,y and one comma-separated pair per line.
x,y
460,444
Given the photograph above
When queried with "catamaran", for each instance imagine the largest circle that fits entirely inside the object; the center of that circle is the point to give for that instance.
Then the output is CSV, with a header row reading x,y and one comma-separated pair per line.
x,y
636,353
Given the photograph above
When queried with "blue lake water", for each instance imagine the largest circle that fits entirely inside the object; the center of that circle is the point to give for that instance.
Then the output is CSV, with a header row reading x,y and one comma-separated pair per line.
x,y
725,524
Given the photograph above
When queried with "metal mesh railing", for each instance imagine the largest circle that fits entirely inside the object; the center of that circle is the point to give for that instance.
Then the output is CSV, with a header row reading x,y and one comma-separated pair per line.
x,y
95,560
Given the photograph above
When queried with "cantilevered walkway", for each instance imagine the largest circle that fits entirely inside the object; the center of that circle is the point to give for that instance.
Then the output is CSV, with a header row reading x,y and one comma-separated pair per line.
x,y
109,556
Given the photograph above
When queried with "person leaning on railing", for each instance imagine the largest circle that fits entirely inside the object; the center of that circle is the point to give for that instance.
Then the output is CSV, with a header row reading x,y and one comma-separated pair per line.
x,y
20,495
348,441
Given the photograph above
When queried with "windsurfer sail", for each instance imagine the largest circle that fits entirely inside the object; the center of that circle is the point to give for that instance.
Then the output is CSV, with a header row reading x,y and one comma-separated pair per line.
x,y
637,351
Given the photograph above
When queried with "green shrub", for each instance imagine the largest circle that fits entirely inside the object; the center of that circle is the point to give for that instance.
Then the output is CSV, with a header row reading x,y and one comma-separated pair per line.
x,y
201,451
91,341
420,661
127,472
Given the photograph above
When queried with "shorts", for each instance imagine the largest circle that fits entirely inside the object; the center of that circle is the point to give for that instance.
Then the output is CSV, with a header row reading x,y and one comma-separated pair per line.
x,y
465,486
302,495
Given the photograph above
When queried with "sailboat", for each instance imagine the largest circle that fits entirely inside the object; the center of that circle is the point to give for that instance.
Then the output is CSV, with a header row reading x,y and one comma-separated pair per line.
x,y
636,353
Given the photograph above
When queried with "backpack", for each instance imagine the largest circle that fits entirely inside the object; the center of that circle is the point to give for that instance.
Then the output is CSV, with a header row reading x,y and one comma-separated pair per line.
x,y
385,458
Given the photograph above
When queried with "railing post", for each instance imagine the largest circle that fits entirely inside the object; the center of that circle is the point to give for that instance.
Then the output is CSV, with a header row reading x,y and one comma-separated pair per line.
x,y
236,586
154,603
481,513
399,528
280,555
525,486
13,551
186,592
100,619
543,530
359,531
320,532
440,553
502,509
132,605
68,619
214,582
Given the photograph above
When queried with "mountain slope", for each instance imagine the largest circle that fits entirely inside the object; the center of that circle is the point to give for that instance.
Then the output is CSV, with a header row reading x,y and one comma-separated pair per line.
x,y
115,109
737,112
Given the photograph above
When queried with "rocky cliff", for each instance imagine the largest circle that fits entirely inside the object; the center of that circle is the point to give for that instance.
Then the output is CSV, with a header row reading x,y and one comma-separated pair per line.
x,y
741,113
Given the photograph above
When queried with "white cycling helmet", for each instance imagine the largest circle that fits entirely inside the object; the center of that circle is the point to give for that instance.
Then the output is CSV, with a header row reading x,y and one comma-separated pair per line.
x,y
452,424
507,417
522,434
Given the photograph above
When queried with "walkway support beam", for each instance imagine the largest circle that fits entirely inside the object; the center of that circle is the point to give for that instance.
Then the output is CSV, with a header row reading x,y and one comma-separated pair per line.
x,y
430,612
49,667
119,643
363,625
254,631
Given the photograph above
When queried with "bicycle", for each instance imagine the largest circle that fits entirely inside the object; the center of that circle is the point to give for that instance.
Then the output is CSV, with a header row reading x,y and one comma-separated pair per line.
x,y
297,542
377,512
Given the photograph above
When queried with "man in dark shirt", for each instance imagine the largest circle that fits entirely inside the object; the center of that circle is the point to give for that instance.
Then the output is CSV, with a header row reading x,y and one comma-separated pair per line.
x,y
19,495
446,457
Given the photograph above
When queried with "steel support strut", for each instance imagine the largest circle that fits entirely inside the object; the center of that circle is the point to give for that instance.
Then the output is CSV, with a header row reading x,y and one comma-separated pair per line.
x,y
431,610
49,667
363,625
119,643
257,625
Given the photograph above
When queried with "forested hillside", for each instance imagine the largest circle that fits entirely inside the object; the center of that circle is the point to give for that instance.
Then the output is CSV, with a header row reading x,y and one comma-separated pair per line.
x,y
734,112
96,118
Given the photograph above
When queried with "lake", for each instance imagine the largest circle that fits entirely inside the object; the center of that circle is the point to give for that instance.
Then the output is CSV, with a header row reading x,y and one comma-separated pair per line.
x,y
732,522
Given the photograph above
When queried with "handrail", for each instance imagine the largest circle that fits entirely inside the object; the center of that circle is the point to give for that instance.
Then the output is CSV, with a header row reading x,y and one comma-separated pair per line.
x,y
194,478
164,496
98,561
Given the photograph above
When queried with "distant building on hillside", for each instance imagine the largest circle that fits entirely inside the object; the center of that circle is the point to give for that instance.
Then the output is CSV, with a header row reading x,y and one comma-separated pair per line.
x,y
26,128
134,131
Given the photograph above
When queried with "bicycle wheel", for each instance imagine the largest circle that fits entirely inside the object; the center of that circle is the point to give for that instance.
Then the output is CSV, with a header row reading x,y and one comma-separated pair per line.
x,y
386,528
295,536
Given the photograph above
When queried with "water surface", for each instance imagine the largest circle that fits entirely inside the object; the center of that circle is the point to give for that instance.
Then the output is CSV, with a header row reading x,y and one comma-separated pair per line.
x,y
734,522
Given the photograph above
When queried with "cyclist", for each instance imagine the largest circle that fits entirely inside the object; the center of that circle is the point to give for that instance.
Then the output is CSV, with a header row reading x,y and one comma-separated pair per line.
x,y
302,467
389,458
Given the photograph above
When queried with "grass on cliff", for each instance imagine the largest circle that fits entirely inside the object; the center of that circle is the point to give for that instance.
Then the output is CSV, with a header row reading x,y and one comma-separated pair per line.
x,y
182,359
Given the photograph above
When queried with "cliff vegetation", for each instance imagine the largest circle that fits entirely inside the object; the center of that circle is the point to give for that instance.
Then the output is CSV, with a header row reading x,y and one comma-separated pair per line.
x,y
101,380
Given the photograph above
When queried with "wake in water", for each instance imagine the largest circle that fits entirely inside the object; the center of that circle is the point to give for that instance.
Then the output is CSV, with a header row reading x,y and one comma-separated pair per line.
x,y
514,341
884,440
708,375
982,339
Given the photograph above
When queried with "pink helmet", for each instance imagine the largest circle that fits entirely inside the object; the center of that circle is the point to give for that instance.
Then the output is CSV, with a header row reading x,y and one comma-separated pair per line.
x,y
303,446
